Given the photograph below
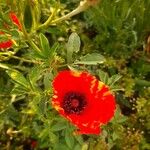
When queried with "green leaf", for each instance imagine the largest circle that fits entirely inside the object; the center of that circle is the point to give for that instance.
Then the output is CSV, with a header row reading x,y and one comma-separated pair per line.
x,y
77,147
54,30
114,79
53,49
73,45
91,59
48,77
15,34
79,139
103,76
18,78
142,82
59,126
116,88
62,145
19,90
115,136
44,45
11,113
53,138
28,17
118,117
44,134
69,139
34,75
85,146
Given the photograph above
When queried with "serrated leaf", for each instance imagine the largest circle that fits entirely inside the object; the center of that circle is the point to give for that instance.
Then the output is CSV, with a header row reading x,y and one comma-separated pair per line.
x,y
73,45
91,59
44,45
18,78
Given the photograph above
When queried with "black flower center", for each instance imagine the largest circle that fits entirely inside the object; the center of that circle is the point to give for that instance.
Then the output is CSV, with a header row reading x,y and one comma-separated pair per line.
x,y
74,103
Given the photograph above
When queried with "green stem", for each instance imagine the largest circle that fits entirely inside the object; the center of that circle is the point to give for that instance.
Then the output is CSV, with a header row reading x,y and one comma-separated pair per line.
x,y
82,7
33,45
25,60
48,21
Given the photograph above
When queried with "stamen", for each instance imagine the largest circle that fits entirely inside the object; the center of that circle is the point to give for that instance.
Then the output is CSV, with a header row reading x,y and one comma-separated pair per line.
x,y
74,103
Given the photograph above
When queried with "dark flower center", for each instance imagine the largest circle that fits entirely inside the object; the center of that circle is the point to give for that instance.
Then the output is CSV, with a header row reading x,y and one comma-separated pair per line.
x,y
74,103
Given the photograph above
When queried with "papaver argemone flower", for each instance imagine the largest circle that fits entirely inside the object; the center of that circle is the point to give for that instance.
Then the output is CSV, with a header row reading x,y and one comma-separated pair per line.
x,y
83,100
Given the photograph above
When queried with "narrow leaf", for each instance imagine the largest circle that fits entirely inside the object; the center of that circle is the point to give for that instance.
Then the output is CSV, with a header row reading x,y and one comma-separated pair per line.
x,y
53,49
114,79
103,76
18,77
44,44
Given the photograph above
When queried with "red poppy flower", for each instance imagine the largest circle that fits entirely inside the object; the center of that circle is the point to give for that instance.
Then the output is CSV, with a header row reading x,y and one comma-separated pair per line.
x,y
15,20
83,100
